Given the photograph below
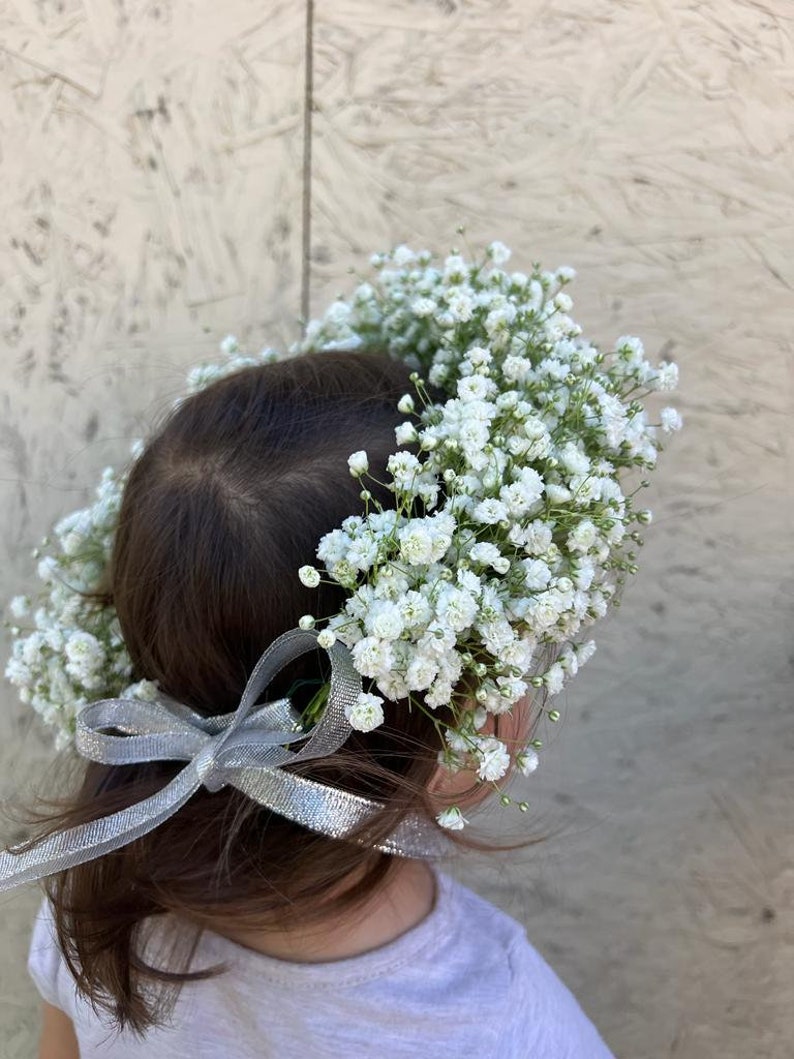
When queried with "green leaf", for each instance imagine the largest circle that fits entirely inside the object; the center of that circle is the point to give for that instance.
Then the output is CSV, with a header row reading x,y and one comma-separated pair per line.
x,y
314,710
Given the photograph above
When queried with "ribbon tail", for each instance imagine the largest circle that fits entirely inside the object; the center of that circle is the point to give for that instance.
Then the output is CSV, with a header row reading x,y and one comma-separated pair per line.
x,y
333,812
85,842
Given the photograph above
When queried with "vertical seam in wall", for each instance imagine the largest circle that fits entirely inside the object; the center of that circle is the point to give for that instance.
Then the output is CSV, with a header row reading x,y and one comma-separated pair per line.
x,y
307,160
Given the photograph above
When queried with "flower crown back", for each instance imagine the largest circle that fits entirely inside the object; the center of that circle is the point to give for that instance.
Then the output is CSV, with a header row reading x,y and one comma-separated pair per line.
x,y
526,535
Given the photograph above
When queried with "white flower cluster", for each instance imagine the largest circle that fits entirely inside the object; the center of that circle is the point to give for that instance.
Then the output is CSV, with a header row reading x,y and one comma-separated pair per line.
x,y
200,377
68,649
511,529
72,651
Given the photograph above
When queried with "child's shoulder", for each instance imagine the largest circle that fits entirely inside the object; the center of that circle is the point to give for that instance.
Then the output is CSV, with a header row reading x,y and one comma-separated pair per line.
x,y
539,1014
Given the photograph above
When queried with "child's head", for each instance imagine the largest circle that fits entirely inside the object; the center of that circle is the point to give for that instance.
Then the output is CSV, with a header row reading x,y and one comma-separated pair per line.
x,y
227,501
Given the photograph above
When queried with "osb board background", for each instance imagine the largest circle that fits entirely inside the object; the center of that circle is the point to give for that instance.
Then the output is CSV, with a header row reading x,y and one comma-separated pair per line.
x,y
156,196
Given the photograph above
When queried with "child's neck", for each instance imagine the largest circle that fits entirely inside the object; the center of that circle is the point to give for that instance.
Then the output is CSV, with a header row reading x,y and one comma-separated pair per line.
x,y
405,899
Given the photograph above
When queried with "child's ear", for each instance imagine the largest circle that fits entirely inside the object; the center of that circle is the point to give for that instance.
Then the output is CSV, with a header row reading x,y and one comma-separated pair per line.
x,y
457,788
463,788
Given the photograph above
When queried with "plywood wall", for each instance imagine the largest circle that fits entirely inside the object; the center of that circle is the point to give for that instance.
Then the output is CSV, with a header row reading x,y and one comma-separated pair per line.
x,y
158,192
152,196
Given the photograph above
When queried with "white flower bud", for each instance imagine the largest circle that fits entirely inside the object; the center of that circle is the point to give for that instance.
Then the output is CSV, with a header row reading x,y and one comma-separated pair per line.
x,y
405,433
326,639
452,819
358,463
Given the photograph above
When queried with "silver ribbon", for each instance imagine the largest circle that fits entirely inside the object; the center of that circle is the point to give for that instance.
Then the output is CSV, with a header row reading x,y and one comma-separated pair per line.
x,y
245,749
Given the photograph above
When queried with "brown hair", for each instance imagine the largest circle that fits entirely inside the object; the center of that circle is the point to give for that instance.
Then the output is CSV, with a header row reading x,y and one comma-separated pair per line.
x,y
228,500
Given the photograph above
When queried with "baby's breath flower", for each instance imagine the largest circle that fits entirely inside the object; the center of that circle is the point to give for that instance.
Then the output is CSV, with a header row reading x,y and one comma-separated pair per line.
x,y
373,656
536,574
402,256
405,433
422,541
404,467
455,269
421,672
85,658
460,306
492,757
671,420
147,690
583,536
384,620
527,761
423,307
490,511
452,819
554,678
499,253
19,607
475,388
456,607
365,713
309,576
666,378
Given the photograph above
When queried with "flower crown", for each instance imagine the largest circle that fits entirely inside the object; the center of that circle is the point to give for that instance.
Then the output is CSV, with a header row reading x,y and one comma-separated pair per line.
x,y
526,538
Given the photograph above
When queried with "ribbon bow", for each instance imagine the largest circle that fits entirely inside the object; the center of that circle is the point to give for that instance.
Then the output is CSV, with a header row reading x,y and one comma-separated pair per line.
x,y
245,749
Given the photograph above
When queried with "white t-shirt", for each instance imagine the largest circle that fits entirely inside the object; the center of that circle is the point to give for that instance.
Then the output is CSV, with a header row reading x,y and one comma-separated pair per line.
x,y
465,982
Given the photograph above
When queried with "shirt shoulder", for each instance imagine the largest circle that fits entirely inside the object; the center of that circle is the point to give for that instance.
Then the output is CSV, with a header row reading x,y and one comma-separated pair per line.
x,y
540,1017
44,957
546,1020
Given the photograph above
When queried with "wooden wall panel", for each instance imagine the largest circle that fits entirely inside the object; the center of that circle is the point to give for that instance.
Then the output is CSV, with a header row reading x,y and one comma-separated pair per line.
x,y
645,144
151,196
